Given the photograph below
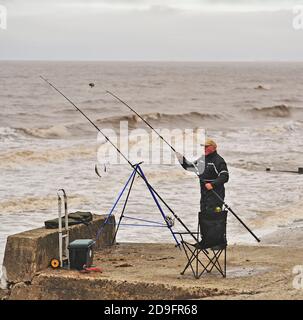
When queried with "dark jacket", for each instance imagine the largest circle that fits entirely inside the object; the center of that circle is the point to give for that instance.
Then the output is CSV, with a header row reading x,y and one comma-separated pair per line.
x,y
213,170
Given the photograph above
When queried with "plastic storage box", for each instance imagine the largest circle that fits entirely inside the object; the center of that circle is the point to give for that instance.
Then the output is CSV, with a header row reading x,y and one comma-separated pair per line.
x,y
81,253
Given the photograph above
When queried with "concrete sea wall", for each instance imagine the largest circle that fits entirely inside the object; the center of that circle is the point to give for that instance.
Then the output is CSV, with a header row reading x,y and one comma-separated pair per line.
x,y
28,252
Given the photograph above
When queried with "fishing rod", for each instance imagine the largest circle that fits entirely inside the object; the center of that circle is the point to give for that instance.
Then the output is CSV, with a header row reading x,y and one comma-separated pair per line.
x,y
134,111
149,125
196,169
230,209
129,162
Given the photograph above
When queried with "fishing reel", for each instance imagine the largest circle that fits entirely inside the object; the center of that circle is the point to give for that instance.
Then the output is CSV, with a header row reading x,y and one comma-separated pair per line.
x,y
170,221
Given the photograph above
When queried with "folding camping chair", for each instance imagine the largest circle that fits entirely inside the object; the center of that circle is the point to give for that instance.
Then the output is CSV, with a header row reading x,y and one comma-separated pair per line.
x,y
209,253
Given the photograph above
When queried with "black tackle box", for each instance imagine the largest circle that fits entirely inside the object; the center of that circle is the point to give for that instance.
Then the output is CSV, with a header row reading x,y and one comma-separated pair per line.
x,y
81,253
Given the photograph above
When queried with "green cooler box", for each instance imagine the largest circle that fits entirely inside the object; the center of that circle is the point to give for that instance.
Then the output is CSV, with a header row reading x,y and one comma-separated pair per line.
x,y
81,253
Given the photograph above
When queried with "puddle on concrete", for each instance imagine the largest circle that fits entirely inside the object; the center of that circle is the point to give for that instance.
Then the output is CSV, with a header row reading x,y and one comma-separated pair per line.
x,y
245,271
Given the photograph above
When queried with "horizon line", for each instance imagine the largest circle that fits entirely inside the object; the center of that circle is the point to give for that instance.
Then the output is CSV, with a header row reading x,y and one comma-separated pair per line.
x,y
152,60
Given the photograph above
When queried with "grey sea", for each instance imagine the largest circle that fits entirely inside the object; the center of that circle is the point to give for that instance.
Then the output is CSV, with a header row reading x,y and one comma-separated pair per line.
x,y
253,110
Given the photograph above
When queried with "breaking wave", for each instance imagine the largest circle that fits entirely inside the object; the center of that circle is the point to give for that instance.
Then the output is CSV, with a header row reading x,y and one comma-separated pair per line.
x,y
278,111
161,119
157,119
59,131
22,157
8,133
34,203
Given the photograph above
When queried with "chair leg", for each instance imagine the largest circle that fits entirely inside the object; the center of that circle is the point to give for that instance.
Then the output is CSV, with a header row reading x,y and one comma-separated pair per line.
x,y
224,263
191,259
194,261
214,262
218,264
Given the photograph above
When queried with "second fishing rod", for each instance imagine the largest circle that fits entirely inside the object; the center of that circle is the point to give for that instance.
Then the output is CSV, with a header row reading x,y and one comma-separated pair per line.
x,y
174,150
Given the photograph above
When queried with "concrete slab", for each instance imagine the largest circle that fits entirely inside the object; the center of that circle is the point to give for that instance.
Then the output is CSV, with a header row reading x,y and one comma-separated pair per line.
x,y
152,271
28,252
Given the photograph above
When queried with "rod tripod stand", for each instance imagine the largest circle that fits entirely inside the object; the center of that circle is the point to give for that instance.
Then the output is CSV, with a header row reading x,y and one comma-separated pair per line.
x,y
137,171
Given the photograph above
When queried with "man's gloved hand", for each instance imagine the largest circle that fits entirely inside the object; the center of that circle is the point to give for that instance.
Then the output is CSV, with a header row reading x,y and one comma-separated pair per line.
x,y
208,186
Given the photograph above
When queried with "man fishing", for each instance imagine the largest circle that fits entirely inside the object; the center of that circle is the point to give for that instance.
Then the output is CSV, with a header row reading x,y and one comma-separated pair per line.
x,y
213,174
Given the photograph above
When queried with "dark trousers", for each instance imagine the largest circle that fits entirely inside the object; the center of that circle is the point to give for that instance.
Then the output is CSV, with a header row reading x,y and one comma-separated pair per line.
x,y
209,202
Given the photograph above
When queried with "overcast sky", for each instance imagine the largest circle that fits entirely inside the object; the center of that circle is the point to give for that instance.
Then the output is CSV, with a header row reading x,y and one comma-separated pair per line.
x,y
171,30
